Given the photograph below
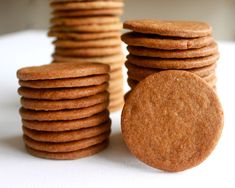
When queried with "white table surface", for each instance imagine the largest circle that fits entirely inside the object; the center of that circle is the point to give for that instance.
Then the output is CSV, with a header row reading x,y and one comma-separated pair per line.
x,y
115,166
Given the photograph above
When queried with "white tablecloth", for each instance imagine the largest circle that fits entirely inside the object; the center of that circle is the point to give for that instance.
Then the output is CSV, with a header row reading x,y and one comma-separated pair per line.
x,y
115,166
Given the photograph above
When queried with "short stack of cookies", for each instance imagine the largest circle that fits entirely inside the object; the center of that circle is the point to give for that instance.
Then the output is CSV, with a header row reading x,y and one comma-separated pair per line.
x,y
65,109
89,32
156,45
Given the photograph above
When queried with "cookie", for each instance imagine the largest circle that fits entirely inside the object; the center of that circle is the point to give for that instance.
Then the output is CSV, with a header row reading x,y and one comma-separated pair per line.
x,y
84,20
105,59
116,95
66,146
116,84
163,43
132,83
56,126
190,53
67,136
173,63
92,28
52,105
142,72
184,29
69,155
66,83
62,114
89,12
116,108
88,52
61,70
172,126
108,42
84,36
85,5
61,93
115,74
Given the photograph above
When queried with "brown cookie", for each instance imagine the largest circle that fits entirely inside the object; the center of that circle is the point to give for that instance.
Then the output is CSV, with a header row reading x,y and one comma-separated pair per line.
x,y
116,101
116,95
92,28
62,114
88,52
108,42
184,29
189,53
67,136
69,155
105,59
163,43
172,126
89,12
67,82
65,146
61,70
84,36
73,5
56,126
116,84
142,72
115,74
52,105
173,63
84,20
62,93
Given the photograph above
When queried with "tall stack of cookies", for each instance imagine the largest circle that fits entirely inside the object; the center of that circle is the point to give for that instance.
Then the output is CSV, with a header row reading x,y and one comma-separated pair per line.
x,y
156,45
65,109
89,32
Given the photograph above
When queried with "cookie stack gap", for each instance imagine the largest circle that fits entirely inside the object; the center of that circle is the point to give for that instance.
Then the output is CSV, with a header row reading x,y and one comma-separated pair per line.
x,y
65,109
156,45
89,32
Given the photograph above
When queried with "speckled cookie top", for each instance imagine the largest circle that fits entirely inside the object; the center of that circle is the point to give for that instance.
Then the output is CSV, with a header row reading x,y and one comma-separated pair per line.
x,y
185,29
172,120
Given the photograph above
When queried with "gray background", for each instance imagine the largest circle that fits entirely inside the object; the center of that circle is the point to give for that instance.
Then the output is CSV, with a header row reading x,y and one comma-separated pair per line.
x,y
18,15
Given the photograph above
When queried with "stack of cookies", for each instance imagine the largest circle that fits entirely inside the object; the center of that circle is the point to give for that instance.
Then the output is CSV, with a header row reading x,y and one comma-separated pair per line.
x,y
89,32
65,109
156,45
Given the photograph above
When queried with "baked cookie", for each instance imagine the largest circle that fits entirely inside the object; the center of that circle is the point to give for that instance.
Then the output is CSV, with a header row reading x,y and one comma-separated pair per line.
x,y
61,70
53,105
62,93
69,155
56,126
165,43
189,53
172,126
62,114
67,82
184,29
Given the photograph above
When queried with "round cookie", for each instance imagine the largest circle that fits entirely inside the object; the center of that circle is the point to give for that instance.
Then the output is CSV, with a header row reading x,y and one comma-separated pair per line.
x,y
62,114
173,63
189,53
159,42
85,5
65,146
105,59
172,126
116,84
67,82
56,126
116,108
62,93
52,105
89,43
69,155
116,95
84,20
61,70
84,36
88,52
115,74
184,29
67,136
91,12
92,28
142,72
